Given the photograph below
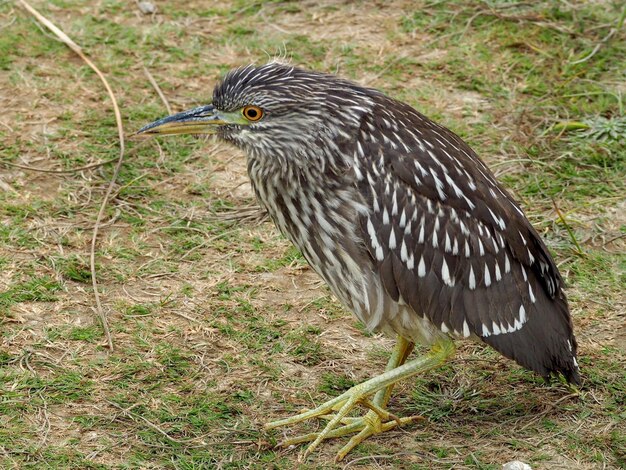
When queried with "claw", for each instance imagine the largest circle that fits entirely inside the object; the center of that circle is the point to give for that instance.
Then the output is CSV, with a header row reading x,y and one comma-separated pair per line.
x,y
368,431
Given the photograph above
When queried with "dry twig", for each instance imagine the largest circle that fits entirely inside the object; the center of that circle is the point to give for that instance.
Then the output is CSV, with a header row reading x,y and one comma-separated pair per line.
x,y
549,408
605,40
157,88
524,18
118,118
59,172
375,457
151,425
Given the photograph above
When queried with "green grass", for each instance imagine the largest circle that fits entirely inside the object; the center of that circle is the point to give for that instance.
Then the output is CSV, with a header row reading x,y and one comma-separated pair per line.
x,y
219,325
40,289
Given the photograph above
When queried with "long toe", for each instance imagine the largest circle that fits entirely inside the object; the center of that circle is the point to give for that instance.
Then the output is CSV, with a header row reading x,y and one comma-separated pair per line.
x,y
373,422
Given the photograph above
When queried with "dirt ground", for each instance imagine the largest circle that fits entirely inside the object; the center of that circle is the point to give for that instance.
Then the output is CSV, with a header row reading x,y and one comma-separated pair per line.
x,y
218,325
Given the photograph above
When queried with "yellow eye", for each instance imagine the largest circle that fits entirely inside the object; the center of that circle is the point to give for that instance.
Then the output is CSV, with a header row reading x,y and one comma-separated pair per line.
x,y
252,113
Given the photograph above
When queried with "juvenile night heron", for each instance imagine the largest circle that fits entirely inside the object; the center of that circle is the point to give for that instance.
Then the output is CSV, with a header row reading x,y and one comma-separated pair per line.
x,y
401,218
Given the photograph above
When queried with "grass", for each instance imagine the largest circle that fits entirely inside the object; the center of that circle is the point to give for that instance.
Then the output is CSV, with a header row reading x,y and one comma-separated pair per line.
x,y
220,326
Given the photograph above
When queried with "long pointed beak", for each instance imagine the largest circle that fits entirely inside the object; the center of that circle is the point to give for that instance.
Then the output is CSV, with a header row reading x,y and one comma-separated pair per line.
x,y
201,120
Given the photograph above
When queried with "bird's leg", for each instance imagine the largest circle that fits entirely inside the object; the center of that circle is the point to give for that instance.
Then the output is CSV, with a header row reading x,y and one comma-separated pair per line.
x,y
400,353
377,419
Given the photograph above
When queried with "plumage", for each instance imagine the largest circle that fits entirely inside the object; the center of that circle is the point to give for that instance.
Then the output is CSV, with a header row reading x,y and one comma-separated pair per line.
x,y
401,218
389,156
497,233
416,217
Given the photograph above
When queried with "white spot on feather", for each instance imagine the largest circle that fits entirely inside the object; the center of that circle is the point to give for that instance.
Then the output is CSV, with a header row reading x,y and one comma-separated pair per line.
x,y
394,208
420,167
501,240
438,184
402,219
522,237
420,237
457,190
421,267
378,249
464,229
522,314
410,262
466,331
445,274
469,203
497,220
392,240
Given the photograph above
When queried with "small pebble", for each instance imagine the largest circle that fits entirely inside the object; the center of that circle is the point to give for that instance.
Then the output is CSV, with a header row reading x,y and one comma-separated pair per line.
x,y
516,465
147,8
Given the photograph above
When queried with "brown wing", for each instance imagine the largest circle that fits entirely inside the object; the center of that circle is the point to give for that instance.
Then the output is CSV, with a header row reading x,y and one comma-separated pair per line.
x,y
454,245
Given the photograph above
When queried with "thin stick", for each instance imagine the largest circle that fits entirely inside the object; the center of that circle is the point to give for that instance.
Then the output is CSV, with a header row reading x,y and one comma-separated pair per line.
x,y
374,457
550,407
118,119
157,88
604,40
59,172
151,425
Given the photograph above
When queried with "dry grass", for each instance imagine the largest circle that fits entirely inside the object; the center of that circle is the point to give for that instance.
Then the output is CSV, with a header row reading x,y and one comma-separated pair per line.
x,y
218,324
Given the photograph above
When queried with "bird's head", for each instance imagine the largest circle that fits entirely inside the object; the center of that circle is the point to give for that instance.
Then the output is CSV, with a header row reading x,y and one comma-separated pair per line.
x,y
276,110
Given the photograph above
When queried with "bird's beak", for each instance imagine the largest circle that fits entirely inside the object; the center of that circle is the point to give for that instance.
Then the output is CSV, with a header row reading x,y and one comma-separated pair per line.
x,y
202,120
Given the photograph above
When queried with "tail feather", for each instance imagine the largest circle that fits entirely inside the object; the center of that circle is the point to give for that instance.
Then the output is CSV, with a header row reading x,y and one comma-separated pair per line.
x,y
546,343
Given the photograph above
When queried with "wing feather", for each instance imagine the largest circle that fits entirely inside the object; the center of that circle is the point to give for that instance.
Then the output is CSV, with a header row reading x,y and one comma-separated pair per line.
x,y
456,247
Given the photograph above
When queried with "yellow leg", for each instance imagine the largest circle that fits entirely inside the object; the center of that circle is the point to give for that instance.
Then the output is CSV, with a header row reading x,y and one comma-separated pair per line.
x,y
400,353
377,419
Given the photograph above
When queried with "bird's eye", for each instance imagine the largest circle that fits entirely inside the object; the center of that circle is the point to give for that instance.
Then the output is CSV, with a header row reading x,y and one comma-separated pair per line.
x,y
252,113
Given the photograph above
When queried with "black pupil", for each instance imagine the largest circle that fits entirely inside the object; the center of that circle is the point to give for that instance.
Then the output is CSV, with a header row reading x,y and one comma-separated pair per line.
x,y
252,113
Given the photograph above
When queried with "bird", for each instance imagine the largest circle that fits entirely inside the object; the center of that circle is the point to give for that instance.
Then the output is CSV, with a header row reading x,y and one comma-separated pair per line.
x,y
404,222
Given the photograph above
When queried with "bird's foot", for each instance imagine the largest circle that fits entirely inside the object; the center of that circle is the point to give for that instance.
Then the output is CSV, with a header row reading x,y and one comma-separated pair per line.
x,y
365,426
335,412
377,419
